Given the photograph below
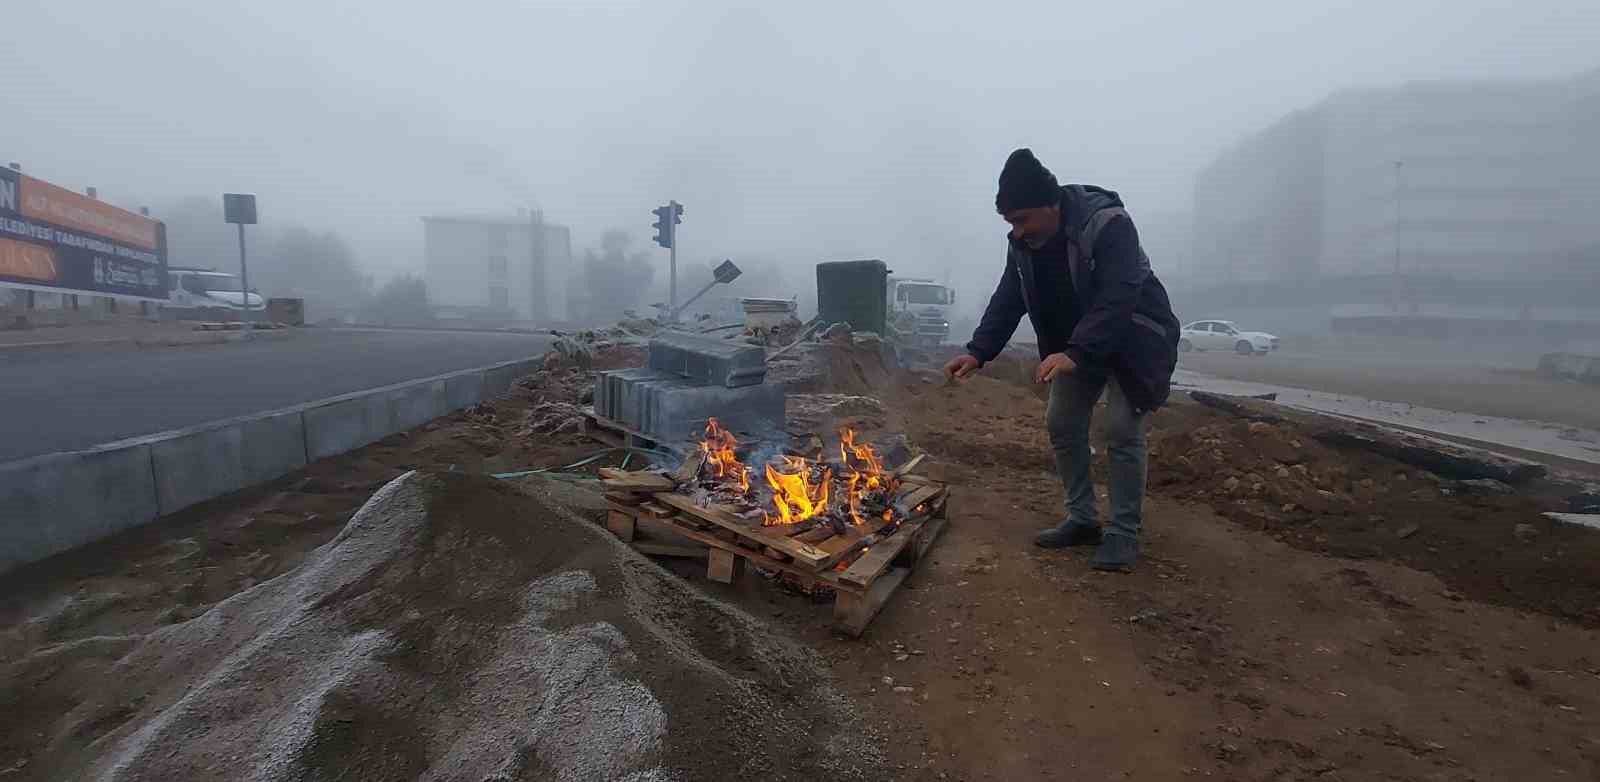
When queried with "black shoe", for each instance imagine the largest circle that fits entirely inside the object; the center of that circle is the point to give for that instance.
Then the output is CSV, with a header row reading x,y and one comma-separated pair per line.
x,y
1117,554
1068,534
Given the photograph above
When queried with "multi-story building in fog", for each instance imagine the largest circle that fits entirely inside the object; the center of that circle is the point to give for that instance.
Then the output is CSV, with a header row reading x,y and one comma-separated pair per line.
x,y
1473,181
496,268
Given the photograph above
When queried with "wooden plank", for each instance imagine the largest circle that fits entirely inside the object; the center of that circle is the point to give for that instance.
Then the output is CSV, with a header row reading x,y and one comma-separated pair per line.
x,y
623,498
852,613
620,524
849,559
911,466
816,534
925,538
794,530
877,559
635,482
658,531
721,565
670,550
654,511
802,553
907,504
769,563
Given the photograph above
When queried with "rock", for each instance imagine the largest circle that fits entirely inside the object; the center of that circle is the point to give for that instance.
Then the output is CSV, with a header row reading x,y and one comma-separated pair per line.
x,y
888,680
1230,485
1408,530
1260,427
1525,532
1252,478
903,690
1283,472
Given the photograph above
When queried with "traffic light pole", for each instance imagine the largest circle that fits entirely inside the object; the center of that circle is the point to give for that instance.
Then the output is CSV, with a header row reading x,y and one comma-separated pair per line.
x,y
672,286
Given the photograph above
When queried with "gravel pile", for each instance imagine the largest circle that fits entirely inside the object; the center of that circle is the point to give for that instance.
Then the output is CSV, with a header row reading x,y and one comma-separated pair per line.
x,y
465,629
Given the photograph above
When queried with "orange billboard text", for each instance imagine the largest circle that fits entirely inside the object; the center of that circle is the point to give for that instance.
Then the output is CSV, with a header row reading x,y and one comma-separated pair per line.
x,y
60,206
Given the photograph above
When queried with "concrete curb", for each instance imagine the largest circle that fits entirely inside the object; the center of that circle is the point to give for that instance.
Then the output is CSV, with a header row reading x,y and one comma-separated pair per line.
x,y
59,501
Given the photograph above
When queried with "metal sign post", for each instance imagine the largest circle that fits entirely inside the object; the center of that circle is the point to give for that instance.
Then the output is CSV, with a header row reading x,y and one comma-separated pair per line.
x,y
240,209
725,273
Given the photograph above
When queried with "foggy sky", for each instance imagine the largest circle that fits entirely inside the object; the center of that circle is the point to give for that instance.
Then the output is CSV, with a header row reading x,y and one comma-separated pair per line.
x,y
795,132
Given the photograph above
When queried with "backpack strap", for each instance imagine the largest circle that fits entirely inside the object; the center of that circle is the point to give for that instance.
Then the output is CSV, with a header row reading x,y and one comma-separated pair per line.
x,y
1091,231
1086,239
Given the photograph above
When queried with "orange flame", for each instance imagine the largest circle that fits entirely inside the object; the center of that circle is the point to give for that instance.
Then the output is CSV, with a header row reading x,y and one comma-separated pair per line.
x,y
866,473
718,450
794,495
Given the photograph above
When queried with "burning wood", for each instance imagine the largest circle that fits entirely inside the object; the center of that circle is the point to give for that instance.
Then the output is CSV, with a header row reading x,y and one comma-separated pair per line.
x,y
844,526
799,489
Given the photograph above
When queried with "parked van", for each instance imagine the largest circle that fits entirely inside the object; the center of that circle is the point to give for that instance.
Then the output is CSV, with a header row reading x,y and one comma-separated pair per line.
x,y
190,288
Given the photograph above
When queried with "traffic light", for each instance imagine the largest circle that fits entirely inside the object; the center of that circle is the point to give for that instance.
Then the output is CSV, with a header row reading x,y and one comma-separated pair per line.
x,y
663,224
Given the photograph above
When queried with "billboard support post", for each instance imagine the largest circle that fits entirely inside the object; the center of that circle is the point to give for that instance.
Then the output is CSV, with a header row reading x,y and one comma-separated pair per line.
x,y
240,209
244,282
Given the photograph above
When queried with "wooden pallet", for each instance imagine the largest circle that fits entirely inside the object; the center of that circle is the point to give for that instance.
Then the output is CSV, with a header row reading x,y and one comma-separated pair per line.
x,y
614,433
862,567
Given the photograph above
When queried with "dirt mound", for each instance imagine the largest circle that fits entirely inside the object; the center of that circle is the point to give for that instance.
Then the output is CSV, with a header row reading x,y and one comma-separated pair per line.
x,y
1479,536
863,365
461,628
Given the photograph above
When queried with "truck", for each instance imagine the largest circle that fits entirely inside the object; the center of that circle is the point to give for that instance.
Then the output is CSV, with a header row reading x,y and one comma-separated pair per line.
x,y
919,310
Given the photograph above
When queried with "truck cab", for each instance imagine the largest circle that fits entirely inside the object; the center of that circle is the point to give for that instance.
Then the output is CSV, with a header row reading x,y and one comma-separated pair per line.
x,y
919,310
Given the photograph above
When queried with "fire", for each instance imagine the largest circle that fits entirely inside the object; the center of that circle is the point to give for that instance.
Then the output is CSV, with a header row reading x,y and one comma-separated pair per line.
x,y
718,450
866,473
803,488
794,495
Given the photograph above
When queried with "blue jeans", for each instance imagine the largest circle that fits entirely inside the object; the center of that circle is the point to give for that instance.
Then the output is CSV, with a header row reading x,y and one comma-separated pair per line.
x,y
1071,407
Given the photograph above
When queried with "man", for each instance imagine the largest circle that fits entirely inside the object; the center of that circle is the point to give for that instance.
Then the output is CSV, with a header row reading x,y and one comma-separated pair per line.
x,y
1103,321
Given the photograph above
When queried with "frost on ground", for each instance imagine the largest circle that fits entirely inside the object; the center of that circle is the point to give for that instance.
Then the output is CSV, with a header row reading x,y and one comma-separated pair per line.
x,y
460,628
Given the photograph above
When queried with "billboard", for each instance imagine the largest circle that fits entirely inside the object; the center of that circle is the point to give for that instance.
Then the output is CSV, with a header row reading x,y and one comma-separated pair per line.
x,y
53,239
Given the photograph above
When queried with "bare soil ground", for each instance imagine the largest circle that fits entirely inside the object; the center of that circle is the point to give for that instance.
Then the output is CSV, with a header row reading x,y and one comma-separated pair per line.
x,y
1350,619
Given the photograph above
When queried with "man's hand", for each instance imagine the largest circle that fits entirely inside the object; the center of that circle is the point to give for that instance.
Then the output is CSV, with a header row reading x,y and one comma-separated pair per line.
x,y
961,366
1053,366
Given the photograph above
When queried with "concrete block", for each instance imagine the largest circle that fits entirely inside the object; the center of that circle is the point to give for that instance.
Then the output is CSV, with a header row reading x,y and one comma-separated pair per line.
x,y
414,404
463,389
275,445
717,361
59,501
347,424
498,379
678,412
195,466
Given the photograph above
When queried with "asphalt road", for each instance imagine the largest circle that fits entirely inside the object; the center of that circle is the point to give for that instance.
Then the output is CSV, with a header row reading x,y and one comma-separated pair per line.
x,y
68,399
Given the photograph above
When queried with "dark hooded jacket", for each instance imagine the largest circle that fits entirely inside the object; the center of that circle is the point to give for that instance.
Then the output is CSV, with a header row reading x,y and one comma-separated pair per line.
x,y
1105,309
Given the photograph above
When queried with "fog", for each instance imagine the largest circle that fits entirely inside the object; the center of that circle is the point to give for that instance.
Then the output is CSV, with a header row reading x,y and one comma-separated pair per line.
x,y
793,133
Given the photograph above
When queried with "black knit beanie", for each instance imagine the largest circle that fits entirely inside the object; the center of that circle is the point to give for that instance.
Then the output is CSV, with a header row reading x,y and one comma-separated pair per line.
x,y
1025,183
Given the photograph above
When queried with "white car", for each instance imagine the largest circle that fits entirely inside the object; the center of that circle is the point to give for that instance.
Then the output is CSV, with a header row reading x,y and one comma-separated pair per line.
x,y
1223,335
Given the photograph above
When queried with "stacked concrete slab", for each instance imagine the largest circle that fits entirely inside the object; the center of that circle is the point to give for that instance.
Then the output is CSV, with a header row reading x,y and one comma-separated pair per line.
x,y
688,379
